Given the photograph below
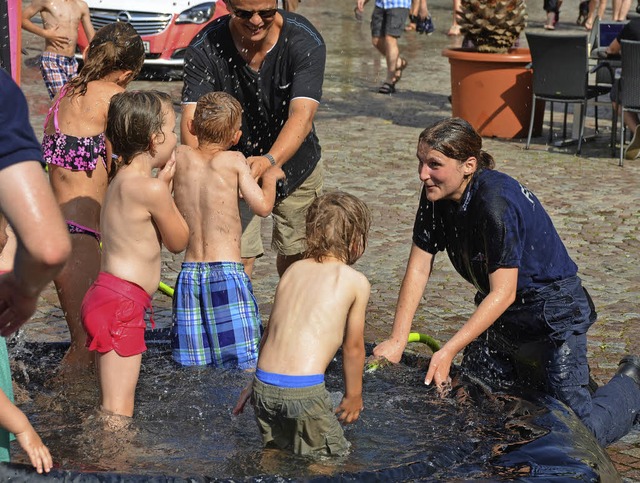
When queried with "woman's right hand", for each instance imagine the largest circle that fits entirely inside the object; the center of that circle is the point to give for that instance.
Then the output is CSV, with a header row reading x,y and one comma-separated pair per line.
x,y
391,349
439,368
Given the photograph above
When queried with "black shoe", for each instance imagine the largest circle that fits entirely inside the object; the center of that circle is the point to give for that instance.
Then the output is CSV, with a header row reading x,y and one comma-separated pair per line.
x,y
630,367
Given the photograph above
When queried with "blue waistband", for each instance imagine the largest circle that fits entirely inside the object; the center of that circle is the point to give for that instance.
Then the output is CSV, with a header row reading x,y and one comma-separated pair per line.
x,y
284,380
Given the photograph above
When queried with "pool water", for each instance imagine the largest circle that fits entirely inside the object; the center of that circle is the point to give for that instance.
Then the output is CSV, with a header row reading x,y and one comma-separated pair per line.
x,y
183,428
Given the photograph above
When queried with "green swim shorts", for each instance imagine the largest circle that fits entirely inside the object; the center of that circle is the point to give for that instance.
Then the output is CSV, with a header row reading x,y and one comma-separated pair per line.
x,y
298,419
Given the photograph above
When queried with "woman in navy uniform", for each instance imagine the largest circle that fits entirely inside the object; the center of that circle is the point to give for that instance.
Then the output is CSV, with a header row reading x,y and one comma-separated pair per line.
x,y
532,313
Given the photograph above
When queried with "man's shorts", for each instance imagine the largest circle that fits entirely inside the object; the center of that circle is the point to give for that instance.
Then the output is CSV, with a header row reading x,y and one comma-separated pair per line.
x,y
57,70
215,316
113,313
298,419
388,21
289,220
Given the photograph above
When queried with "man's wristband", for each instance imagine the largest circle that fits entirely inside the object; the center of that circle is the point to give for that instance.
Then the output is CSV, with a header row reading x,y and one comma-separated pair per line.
x,y
270,158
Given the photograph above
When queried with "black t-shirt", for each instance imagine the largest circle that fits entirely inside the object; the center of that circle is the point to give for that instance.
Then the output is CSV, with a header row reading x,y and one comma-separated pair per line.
x,y
294,67
18,142
497,224
631,31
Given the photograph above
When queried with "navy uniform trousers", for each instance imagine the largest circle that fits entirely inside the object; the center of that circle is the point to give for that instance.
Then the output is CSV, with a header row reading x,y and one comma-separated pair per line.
x,y
541,342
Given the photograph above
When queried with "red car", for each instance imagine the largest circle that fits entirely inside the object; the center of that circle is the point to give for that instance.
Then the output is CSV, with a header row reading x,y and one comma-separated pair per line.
x,y
166,26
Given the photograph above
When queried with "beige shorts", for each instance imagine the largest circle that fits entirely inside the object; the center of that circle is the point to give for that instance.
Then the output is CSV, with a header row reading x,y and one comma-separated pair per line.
x,y
298,419
289,227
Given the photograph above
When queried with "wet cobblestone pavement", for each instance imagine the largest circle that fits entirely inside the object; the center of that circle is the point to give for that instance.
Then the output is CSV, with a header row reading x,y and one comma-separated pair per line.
x,y
369,142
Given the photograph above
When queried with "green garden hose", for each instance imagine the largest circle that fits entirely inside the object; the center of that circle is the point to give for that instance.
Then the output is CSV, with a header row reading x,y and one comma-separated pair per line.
x,y
433,344
380,362
165,289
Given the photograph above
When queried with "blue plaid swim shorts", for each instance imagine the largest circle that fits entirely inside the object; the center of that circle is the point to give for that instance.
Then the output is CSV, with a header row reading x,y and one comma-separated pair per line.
x,y
215,316
57,70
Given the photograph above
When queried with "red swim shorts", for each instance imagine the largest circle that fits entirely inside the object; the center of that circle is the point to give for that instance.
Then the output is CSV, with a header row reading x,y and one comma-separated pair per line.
x,y
113,312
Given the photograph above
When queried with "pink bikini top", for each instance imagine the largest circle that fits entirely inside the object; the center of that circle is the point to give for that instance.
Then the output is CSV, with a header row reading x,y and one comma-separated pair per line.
x,y
70,152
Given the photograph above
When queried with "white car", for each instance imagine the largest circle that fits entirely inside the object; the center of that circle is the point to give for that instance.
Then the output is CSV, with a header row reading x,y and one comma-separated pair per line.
x,y
165,26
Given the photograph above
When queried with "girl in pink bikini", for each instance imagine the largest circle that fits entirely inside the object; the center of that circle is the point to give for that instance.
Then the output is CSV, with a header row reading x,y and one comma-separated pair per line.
x,y
79,162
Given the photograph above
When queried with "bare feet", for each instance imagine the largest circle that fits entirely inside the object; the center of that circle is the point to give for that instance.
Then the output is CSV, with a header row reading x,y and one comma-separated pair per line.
x,y
454,30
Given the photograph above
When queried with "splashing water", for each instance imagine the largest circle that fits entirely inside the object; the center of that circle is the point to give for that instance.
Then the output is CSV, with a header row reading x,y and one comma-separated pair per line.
x,y
183,427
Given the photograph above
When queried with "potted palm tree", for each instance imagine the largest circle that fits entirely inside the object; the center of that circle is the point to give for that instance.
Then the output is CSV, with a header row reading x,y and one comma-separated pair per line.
x,y
490,80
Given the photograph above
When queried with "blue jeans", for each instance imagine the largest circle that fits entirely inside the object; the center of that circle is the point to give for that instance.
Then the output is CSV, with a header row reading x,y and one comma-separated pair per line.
x,y
541,342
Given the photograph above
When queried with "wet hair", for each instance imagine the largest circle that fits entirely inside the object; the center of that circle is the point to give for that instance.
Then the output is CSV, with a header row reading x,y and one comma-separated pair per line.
x,y
456,139
116,46
338,225
133,118
217,118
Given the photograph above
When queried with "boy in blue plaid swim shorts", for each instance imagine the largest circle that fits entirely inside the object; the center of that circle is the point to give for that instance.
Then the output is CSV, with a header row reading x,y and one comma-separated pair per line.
x,y
215,315
60,21
319,306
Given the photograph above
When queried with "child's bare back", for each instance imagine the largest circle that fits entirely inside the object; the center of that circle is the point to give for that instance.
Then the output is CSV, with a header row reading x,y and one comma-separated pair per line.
x,y
206,192
60,21
210,178
131,243
320,305
139,214
317,306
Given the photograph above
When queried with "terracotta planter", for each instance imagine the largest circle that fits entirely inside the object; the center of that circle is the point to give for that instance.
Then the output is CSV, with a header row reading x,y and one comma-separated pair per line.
x,y
493,92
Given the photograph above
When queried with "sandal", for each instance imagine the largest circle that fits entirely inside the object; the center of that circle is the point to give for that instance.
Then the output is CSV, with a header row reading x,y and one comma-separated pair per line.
x,y
387,88
413,20
403,66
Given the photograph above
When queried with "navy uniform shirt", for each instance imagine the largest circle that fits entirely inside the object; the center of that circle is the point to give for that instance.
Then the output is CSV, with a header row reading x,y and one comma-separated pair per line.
x,y
497,224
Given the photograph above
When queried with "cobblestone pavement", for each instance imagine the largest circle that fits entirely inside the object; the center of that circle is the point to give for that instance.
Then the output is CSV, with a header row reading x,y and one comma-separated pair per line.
x,y
369,143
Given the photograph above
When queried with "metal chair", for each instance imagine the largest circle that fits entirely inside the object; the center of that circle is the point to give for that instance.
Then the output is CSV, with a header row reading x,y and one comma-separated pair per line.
x,y
629,86
606,77
561,74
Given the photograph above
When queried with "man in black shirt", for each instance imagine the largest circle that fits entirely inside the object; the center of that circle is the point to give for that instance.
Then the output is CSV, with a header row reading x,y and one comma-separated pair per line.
x,y
272,61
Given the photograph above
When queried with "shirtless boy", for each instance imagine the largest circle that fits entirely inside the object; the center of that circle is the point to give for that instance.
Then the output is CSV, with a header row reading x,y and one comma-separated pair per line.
x,y
60,21
138,217
215,315
319,306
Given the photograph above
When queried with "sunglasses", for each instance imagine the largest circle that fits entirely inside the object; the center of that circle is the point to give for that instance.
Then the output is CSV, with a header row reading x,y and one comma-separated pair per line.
x,y
248,14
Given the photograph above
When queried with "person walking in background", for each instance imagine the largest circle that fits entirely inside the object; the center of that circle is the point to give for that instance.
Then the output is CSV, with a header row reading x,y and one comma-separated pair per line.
x,y
215,315
419,18
454,30
60,22
387,24
552,8
272,62
620,9
31,259
595,7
